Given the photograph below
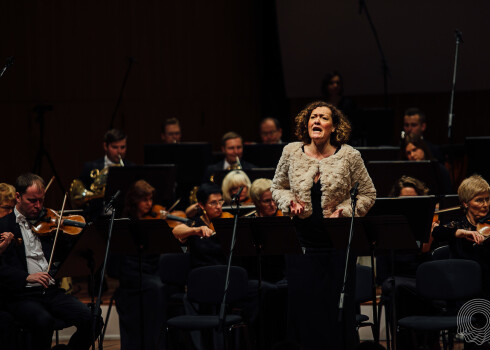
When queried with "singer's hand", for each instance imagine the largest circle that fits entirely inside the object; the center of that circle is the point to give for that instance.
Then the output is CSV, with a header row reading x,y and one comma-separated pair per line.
x,y
337,213
472,236
296,208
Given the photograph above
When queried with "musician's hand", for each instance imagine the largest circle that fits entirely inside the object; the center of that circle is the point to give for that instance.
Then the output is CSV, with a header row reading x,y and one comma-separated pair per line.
x,y
40,277
472,236
5,239
296,208
337,213
204,231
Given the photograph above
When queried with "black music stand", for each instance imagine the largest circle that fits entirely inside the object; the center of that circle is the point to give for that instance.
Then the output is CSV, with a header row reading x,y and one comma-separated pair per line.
x,y
263,155
477,150
379,153
161,177
86,256
190,158
419,211
391,233
143,237
259,236
386,173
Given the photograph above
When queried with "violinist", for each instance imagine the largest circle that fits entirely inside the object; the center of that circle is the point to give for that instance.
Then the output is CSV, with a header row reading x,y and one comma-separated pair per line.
x,y
232,183
34,300
261,195
138,204
205,251
7,203
465,241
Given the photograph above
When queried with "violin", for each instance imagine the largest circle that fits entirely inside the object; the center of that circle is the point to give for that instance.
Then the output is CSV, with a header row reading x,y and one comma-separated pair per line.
x,y
173,219
48,220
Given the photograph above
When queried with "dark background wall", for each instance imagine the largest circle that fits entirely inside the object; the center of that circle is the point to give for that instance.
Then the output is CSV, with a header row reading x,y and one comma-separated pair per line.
x,y
218,66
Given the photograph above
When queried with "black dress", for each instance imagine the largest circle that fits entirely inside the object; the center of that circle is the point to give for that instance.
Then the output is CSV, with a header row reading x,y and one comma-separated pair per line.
x,y
315,281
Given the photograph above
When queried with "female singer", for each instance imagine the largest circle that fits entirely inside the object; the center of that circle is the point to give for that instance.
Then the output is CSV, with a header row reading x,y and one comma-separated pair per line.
x,y
462,234
312,182
231,185
138,203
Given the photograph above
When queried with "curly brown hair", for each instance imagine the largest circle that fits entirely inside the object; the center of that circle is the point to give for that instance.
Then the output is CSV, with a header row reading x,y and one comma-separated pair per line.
x,y
341,123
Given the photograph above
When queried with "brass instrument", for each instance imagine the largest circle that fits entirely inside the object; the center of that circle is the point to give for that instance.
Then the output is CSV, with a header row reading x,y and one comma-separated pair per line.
x,y
79,195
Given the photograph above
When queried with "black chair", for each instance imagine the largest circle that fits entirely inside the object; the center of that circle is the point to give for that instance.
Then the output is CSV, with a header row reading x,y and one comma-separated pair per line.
x,y
205,286
451,281
174,269
441,253
364,293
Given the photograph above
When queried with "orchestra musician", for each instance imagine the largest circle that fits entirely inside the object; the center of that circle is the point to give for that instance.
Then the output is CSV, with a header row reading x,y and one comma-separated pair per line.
x,y
270,131
261,195
205,251
232,183
312,181
33,297
171,131
415,148
7,203
407,186
232,147
138,204
462,234
115,147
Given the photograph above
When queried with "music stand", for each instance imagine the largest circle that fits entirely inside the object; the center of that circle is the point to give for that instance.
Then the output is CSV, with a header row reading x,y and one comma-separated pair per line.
x,y
263,155
386,173
419,211
161,177
191,159
143,237
86,256
391,233
476,150
378,153
259,236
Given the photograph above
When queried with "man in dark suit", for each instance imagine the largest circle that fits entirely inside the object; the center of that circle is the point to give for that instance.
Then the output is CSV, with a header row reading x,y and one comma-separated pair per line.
x,y
34,300
115,146
232,147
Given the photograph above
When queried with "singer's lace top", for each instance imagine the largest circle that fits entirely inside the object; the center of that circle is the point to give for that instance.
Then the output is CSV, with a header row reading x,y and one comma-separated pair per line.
x,y
296,171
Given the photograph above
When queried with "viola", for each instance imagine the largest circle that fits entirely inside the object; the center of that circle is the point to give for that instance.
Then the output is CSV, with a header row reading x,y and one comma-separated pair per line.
x,y
173,219
47,223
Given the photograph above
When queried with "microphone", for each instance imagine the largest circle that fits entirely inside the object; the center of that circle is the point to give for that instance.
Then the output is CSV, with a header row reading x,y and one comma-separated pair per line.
x,y
111,202
459,35
354,190
236,197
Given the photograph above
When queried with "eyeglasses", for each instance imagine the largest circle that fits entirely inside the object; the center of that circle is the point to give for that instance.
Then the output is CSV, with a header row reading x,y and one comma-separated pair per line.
x,y
216,203
267,201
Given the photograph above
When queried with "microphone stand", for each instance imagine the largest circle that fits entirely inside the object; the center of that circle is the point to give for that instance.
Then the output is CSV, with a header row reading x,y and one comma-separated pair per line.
x,y
95,311
353,196
10,61
222,311
384,64
459,38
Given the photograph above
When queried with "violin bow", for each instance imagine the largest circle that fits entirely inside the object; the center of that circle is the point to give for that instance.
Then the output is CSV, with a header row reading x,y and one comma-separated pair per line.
x,y
49,184
57,231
